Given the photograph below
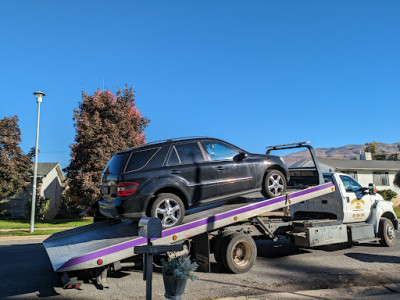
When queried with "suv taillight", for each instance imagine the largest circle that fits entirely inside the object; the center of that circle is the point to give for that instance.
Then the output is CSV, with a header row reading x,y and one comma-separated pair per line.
x,y
126,188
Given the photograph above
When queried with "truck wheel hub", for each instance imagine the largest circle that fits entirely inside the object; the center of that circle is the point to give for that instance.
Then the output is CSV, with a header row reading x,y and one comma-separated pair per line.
x,y
390,232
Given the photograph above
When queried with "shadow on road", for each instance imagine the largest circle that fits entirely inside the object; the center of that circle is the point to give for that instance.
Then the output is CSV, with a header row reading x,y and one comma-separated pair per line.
x,y
373,258
25,269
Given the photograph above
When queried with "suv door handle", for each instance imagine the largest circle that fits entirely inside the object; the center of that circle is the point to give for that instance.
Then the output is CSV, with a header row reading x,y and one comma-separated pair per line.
x,y
175,172
220,168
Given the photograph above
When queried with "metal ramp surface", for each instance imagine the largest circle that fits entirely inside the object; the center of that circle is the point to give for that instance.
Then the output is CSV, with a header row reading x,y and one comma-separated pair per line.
x,y
80,248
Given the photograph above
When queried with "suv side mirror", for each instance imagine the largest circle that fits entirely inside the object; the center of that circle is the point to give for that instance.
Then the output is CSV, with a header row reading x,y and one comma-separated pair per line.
x,y
241,156
372,189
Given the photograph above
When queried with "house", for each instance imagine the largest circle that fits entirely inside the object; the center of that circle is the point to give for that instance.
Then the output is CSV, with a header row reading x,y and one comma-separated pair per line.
x,y
50,184
364,170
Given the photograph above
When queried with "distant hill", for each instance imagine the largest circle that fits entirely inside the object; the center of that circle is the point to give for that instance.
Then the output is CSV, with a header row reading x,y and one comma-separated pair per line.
x,y
344,152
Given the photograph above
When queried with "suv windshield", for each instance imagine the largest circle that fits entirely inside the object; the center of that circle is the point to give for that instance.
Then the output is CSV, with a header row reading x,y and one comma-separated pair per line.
x,y
115,164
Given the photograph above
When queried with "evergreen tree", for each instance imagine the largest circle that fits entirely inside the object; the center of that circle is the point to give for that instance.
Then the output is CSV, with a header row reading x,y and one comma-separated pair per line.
x,y
15,166
104,124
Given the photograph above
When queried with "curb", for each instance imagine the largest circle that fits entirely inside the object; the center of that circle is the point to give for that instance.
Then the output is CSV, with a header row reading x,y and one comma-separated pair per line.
x,y
385,291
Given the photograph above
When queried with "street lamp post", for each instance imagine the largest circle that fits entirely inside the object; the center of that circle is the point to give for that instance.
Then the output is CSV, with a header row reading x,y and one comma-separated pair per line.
x,y
39,96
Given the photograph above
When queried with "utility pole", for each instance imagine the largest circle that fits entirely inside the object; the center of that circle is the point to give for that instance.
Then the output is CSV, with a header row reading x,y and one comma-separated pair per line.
x,y
39,96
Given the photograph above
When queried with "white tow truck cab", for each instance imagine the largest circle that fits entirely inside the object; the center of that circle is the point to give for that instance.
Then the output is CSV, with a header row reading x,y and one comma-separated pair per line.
x,y
351,214
324,209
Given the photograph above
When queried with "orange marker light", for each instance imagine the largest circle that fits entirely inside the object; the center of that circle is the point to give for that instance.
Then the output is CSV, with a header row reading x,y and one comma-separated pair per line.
x,y
235,218
174,237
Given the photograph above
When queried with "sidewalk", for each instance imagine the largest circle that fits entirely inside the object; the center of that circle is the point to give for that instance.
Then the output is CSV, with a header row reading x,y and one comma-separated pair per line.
x,y
29,237
387,291
40,228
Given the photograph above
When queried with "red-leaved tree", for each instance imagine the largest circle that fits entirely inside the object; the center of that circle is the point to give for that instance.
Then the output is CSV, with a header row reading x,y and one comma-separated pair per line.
x,y
105,124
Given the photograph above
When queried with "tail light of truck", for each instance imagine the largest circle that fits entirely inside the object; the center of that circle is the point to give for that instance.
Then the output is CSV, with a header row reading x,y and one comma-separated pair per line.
x,y
126,188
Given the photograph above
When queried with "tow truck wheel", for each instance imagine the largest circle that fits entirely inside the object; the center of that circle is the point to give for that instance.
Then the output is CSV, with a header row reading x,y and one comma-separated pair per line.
x,y
274,184
238,252
217,246
169,208
386,233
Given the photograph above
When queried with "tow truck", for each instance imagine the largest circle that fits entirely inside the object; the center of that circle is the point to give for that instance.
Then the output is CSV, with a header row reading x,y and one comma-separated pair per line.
x,y
321,209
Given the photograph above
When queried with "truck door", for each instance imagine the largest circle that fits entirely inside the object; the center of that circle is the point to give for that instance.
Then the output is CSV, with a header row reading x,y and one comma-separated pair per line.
x,y
356,205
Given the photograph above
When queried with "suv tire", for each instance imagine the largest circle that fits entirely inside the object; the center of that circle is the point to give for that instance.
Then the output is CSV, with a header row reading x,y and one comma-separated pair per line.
x,y
169,208
274,184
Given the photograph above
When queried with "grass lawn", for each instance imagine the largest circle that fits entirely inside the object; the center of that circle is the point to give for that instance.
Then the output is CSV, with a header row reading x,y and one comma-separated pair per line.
x,y
24,224
26,232
397,211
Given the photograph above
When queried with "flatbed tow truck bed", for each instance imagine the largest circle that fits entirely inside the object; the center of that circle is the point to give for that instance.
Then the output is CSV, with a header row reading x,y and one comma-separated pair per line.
x,y
103,243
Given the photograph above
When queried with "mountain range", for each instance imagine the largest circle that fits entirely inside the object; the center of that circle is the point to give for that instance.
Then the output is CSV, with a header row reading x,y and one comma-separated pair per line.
x,y
343,152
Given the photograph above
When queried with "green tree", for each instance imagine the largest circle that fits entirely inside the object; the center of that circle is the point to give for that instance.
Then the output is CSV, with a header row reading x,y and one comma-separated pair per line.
x,y
379,155
371,147
15,166
104,124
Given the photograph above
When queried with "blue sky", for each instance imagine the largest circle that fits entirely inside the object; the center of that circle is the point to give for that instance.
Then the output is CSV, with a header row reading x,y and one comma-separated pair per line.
x,y
254,73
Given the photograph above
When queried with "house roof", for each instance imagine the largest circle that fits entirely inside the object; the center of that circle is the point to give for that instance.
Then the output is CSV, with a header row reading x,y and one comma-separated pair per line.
x,y
45,168
343,164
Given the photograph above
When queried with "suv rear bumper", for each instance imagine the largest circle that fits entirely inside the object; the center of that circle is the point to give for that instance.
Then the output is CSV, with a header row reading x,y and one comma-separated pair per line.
x,y
124,208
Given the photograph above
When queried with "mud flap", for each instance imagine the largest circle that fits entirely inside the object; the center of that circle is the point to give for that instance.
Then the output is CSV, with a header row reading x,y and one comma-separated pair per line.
x,y
201,252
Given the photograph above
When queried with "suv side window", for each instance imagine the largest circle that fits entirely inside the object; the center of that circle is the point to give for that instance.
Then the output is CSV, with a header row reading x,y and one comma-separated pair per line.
x,y
189,153
218,151
173,158
139,159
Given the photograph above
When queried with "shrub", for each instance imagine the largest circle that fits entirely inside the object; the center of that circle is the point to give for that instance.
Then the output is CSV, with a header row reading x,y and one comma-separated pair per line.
x,y
42,206
181,267
387,194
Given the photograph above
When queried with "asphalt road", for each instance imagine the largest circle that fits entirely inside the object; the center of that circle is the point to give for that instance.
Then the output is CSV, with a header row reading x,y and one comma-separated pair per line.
x,y
26,273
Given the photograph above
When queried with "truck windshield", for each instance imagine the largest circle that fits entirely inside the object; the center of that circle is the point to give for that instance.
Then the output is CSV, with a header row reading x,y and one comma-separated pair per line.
x,y
350,184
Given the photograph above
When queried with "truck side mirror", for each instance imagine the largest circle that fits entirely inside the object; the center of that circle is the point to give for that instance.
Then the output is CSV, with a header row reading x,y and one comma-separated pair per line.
x,y
372,189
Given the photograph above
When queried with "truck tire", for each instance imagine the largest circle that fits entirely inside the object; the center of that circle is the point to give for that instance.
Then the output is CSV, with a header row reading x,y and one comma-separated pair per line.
x,y
169,208
274,184
238,252
386,233
217,246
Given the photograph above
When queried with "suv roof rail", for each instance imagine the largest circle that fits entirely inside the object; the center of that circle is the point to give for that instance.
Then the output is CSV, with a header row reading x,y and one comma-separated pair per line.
x,y
175,139
164,141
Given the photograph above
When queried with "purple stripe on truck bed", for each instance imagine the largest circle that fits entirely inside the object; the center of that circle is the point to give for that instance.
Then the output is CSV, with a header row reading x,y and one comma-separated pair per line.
x,y
140,240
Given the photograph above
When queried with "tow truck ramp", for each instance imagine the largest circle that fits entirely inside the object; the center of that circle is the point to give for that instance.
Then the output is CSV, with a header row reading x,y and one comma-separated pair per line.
x,y
101,244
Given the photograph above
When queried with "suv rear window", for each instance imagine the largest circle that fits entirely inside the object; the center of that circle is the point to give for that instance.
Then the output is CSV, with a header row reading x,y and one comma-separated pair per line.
x,y
115,164
139,159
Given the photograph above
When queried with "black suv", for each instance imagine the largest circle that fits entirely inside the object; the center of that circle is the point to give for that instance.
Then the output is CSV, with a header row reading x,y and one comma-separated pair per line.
x,y
162,179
